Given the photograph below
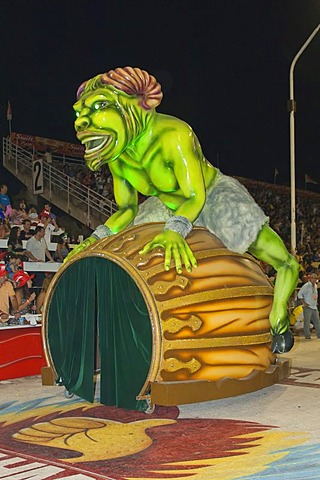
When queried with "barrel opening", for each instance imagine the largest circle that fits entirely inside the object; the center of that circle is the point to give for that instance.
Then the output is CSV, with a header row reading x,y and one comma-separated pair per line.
x,y
98,319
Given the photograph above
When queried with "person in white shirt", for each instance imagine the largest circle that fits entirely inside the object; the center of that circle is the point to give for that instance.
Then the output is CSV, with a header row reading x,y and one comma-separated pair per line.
x,y
36,248
49,225
308,294
48,156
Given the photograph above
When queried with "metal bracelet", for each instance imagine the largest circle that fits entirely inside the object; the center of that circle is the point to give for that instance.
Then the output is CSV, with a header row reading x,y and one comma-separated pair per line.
x,y
180,225
101,231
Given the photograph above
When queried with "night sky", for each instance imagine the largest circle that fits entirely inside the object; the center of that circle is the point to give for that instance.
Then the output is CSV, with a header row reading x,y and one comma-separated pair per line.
x,y
223,65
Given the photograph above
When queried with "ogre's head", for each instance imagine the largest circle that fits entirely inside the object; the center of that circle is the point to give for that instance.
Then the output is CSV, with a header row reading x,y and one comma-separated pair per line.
x,y
112,110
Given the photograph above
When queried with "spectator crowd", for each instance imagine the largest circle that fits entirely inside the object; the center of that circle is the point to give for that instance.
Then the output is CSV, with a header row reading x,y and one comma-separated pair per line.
x,y
100,182
19,221
21,293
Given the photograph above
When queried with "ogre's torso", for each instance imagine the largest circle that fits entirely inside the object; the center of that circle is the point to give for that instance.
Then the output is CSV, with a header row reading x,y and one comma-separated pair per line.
x,y
155,161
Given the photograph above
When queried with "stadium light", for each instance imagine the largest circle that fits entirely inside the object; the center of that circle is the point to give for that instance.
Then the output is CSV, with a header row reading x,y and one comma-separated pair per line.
x,y
292,110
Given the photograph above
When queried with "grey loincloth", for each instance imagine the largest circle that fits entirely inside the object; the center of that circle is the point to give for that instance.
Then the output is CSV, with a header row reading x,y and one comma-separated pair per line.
x,y
229,212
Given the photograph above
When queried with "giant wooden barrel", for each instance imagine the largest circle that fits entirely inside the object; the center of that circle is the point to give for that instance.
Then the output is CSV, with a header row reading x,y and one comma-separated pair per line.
x,y
172,338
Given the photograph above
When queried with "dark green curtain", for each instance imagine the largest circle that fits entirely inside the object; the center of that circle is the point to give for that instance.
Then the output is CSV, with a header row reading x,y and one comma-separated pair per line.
x,y
71,329
96,296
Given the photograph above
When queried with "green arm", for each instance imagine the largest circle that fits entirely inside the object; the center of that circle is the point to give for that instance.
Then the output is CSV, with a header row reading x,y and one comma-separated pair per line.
x,y
127,200
269,248
186,156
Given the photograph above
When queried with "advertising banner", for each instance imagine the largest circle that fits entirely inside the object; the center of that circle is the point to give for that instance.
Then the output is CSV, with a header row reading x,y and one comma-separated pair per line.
x,y
41,144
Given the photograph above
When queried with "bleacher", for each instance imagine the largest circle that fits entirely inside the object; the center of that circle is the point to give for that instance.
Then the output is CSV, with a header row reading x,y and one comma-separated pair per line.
x,y
82,203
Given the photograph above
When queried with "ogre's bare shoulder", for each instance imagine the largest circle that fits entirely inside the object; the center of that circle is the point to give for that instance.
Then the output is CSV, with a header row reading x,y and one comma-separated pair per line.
x,y
175,134
168,125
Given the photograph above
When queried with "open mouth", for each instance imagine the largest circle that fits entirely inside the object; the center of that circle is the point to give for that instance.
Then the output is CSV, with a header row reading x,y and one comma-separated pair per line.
x,y
95,143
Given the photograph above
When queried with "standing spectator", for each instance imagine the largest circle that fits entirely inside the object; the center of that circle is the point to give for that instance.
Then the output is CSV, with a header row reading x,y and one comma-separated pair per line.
x,y
7,296
72,173
48,156
65,169
4,199
48,209
37,249
49,225
308,294
26,233
86,180
107,191
100,181
79,175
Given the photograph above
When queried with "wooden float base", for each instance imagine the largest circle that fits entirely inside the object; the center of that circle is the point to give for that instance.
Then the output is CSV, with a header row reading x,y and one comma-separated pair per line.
x,y
180,393
47,376
185,392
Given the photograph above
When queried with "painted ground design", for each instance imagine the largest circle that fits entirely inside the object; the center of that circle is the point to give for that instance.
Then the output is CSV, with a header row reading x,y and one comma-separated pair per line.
x,y
44,438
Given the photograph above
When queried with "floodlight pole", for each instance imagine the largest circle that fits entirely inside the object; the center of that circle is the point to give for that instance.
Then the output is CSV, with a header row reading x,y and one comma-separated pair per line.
x,y
292,110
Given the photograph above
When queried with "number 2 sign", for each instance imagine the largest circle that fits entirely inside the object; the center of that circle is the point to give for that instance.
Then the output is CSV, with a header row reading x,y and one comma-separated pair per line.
x,y
37,176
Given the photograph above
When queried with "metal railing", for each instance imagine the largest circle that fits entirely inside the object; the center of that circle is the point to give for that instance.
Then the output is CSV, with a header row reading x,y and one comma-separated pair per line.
x,y
70,192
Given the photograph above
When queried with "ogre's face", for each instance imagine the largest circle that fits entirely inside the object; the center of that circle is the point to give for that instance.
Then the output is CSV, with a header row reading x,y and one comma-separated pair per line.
x,y
101,127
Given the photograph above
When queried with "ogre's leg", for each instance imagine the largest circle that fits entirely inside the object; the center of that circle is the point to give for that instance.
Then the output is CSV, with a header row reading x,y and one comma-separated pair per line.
x,y
269,248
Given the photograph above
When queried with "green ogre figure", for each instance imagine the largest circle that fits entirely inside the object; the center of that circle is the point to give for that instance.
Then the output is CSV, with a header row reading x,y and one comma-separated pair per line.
x,y
160,157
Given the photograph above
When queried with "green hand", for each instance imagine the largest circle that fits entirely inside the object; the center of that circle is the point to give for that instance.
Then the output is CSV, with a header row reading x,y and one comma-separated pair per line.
x,y
79,248
175,247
